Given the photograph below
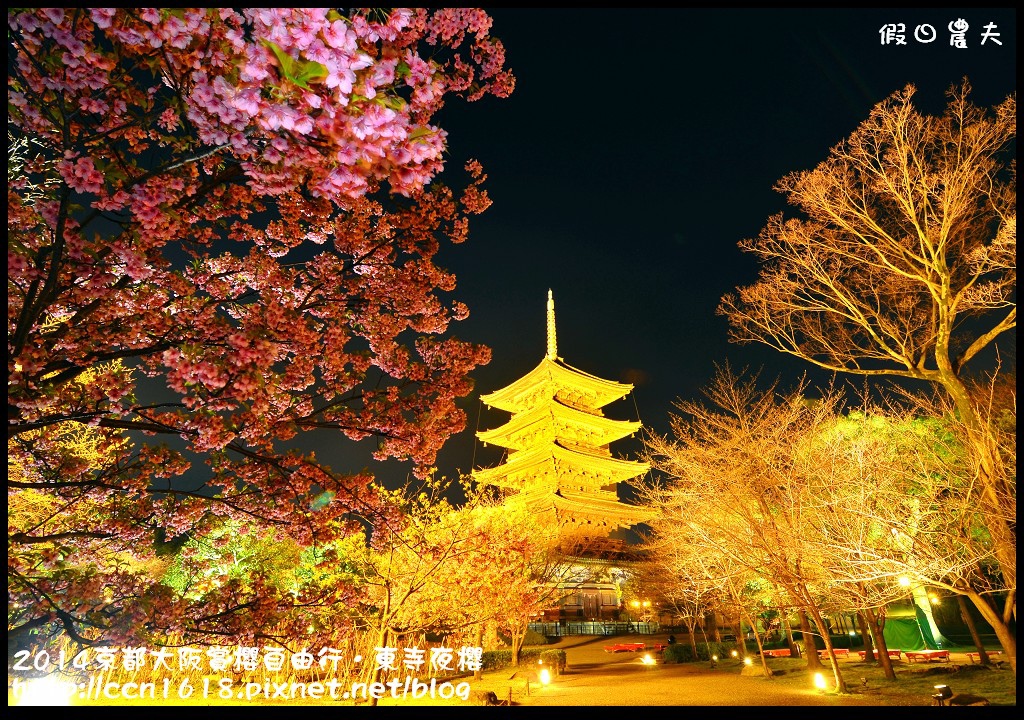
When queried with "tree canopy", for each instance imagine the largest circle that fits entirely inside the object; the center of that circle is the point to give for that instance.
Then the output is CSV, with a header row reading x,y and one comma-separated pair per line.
x,y
222,228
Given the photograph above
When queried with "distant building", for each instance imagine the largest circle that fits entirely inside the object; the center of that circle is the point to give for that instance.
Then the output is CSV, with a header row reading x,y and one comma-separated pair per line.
x,y
559,463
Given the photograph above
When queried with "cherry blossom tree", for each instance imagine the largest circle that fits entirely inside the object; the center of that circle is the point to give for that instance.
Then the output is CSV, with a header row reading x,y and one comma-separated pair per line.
x,y
521,568
225,220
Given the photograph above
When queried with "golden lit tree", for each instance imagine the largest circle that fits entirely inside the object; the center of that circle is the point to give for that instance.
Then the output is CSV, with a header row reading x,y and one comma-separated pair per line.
x,y
674,574
867,466
903,264
893,500
521,569
739,489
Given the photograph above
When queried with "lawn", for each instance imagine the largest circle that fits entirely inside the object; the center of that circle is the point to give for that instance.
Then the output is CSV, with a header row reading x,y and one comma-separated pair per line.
x,y
915,681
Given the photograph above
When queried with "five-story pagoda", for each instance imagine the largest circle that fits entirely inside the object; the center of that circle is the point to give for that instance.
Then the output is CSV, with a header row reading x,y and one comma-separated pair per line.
x,y
558,440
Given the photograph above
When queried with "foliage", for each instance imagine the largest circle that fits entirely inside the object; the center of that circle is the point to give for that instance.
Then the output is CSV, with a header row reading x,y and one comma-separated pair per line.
x,y
680,653
903,264
524,569
222,229
502,657
553,658
533,637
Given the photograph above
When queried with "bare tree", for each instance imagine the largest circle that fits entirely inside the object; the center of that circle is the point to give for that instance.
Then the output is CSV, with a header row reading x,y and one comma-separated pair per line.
x,y
903,265
739,487
677,572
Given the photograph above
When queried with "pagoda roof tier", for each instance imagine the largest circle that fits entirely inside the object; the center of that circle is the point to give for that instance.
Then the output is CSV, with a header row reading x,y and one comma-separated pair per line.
x,y
560,460
554,378
586,513
554,419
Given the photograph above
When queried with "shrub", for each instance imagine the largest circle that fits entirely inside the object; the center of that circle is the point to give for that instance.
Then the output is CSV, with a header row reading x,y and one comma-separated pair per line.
x,y
680,653
502,658
532,637
554,659
535,638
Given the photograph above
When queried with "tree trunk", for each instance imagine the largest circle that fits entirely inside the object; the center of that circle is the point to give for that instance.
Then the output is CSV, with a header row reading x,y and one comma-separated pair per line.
x,y
1007,639
810,649
478,673
760,648
993,490
876,624
693,640
794,651
822,626
969,622
518,633
869,649
377,672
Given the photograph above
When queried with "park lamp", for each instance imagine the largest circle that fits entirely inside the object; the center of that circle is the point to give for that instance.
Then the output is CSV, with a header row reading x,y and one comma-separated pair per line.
x,y
545,676
748,660
942,694
819,682
904,581
735,653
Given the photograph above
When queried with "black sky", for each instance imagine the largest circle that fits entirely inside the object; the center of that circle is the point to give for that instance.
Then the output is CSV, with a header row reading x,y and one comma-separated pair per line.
x,y
639,147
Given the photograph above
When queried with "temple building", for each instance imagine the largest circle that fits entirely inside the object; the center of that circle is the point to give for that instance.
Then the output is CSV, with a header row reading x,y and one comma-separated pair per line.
x,y
559,462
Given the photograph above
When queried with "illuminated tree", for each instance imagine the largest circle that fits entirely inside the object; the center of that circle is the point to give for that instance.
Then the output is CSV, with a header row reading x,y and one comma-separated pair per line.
x,y
241,206
520,569
401,576
861,460
738,490
893,501
676,576
903,265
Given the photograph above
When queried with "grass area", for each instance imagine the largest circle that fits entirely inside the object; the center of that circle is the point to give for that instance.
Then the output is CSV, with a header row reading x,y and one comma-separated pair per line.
x,y
914,681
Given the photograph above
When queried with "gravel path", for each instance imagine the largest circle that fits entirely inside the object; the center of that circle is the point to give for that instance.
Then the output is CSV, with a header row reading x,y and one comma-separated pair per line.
x,y
598,678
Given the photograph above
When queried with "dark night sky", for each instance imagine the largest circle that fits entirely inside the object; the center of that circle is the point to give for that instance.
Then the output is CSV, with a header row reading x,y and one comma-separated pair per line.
x,y
639,147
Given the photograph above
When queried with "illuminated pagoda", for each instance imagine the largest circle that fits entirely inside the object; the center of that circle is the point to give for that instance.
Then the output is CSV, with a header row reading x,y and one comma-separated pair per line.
x,y
559,462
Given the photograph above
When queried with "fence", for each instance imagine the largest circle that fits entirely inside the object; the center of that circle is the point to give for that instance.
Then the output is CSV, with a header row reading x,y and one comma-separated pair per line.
x,y
594,627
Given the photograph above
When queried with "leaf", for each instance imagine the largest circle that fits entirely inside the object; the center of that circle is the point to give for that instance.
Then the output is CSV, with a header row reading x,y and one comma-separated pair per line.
x,y
284,60
298,72
420,132
309,71
391,101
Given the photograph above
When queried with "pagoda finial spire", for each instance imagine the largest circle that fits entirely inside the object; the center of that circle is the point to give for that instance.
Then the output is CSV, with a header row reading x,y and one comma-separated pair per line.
x,y
552,343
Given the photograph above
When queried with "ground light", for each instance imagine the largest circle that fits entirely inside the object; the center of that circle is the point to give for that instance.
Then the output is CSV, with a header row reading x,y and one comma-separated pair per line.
x,y
545,676
647,659
748,661
819,682
942,694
